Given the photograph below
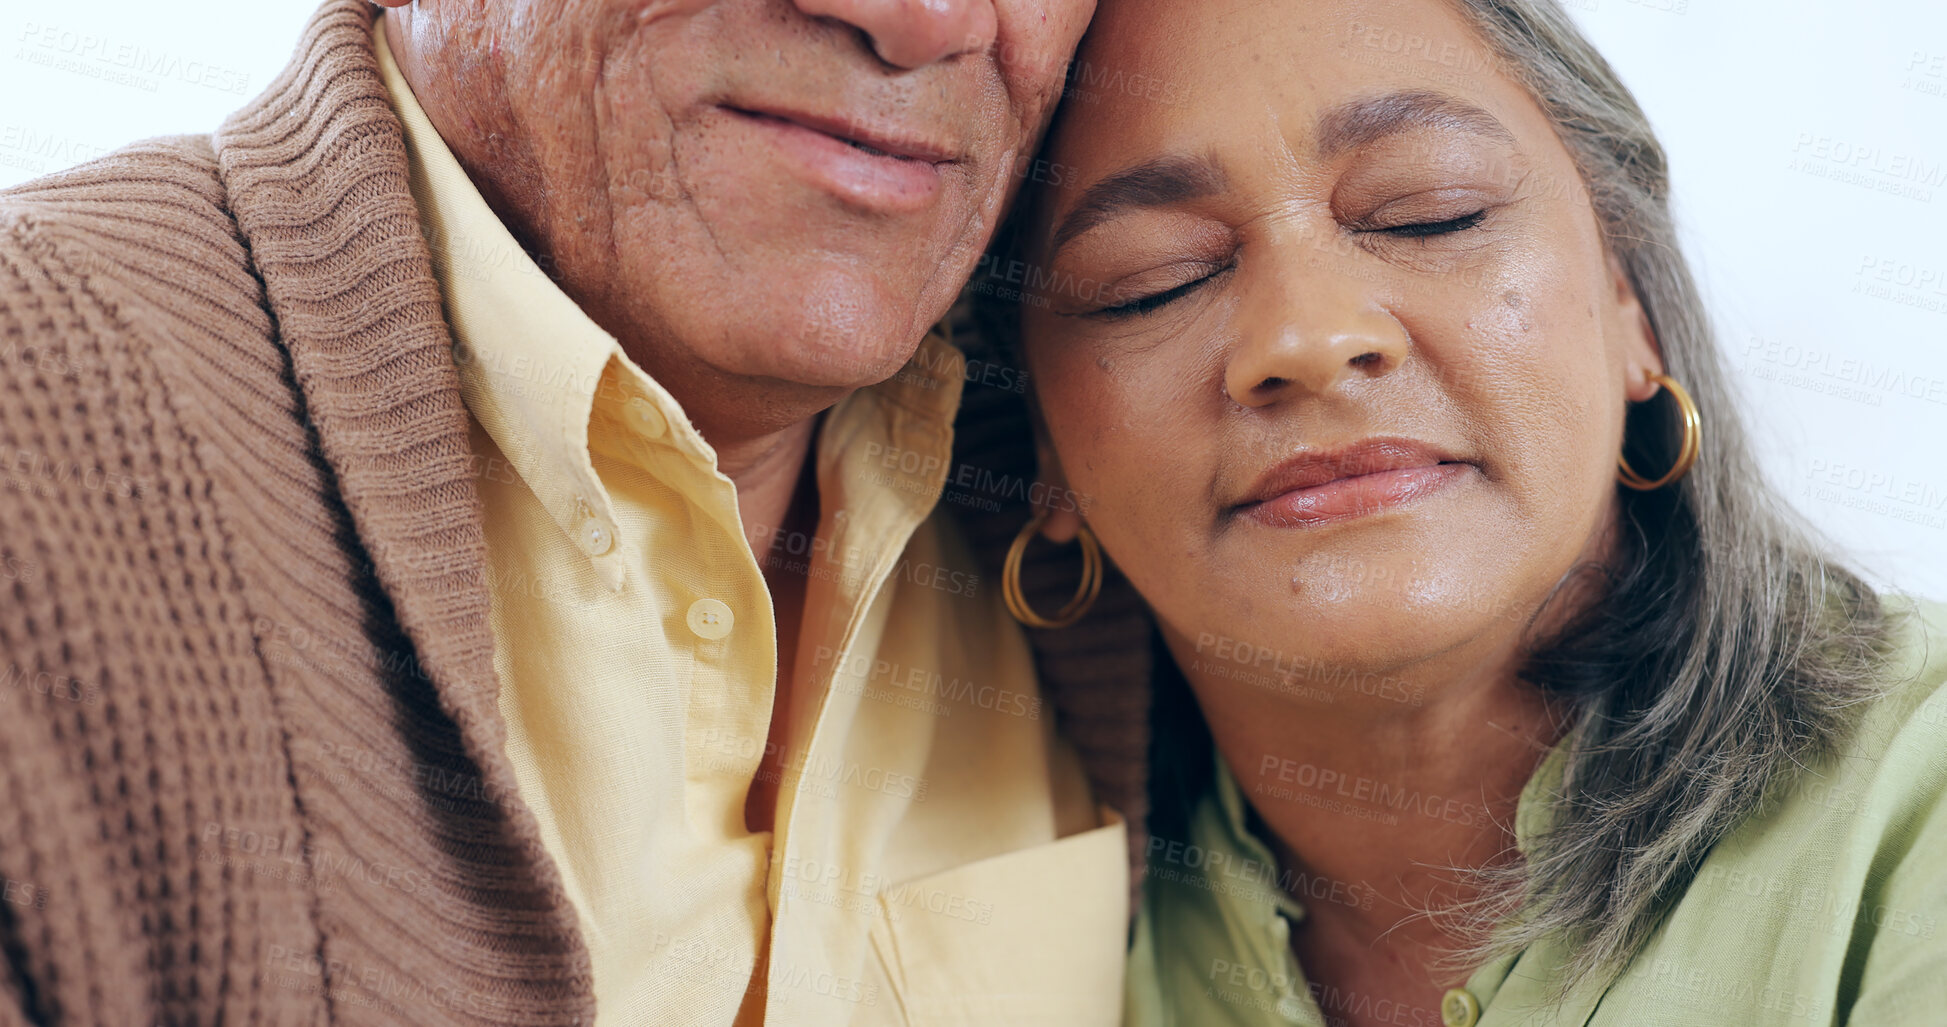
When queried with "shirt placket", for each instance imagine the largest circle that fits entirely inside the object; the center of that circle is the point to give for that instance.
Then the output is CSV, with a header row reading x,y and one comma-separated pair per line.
x,y
828,824
718,609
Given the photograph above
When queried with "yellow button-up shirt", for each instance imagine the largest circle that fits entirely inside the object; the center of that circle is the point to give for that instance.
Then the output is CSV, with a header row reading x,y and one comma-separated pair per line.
x,y
935,858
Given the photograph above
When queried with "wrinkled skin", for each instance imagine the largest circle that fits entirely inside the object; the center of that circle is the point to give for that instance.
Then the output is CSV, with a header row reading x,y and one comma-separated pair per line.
x,y
605,133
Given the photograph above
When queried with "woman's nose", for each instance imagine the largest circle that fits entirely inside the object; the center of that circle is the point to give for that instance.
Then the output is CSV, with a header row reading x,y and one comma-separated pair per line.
x,y
1308,337
913,33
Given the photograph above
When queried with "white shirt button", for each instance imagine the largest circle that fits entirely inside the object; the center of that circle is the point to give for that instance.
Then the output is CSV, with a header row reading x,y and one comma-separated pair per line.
x,y
711,619
646,419
596,538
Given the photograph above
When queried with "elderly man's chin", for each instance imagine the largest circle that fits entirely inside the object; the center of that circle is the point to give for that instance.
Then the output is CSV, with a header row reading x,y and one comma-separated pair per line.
x,y
829,326
798,286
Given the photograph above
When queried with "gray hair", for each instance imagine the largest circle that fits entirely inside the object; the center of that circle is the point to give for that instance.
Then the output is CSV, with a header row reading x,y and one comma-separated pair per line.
x,y
1727,649
1724,651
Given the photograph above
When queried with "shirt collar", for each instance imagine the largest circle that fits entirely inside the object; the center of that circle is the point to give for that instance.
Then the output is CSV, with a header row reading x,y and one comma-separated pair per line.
x,y
1536,812
1232,819
530,361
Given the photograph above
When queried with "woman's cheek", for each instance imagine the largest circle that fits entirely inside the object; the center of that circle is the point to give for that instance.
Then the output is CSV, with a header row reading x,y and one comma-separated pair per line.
x,y
1109,454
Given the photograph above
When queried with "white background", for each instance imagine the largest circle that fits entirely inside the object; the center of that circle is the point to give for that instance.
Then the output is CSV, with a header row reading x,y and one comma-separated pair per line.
x,y
1808,141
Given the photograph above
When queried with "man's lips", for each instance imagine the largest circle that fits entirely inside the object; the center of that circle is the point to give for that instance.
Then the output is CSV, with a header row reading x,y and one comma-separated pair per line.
x,y
1350,481
877,138
877,168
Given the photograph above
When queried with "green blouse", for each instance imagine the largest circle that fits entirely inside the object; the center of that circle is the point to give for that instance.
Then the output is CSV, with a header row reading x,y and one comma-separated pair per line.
x,y
1827,907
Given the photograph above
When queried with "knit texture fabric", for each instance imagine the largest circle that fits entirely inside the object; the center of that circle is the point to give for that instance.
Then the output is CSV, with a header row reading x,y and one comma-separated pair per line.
x,y
249,748
251,764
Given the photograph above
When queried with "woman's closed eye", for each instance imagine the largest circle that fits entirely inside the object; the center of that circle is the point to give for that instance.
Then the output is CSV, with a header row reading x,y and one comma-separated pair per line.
x,y
1151,301
1422,229
1151,291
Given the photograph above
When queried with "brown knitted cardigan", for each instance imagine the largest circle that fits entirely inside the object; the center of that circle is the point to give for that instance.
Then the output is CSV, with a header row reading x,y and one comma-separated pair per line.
x,y
251,766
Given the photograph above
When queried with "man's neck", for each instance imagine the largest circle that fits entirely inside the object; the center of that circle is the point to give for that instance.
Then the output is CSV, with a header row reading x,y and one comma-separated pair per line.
x,y
777,497
768,471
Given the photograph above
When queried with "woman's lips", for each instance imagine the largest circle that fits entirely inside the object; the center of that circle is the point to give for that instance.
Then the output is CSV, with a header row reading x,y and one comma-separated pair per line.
x,y
1353,496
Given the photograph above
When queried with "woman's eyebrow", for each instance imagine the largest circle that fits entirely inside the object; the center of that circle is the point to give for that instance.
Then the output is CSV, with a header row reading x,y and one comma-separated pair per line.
x,y
1358,122
1172,178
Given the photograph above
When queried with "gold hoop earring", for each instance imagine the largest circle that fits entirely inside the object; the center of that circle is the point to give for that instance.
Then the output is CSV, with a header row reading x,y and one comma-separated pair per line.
x,y
1085,593
1693,440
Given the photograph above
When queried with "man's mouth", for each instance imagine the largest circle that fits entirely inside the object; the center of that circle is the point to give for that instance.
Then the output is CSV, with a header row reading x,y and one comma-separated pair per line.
x,y
879,167
878,138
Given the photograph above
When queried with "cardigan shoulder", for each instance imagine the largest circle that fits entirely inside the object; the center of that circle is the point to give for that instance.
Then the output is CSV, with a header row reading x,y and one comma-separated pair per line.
x,y
144,229
145,192
137,728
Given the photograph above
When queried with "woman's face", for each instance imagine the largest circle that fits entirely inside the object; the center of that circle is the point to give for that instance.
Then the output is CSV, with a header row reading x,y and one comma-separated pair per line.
x,y
1331,241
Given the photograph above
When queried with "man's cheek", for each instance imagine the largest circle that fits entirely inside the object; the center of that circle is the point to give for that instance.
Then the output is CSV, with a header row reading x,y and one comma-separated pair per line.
x,y
1035,44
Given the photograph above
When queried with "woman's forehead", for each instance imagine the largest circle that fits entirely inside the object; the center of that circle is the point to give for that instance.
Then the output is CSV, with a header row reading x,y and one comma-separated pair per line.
x,y
1153,73
1257,95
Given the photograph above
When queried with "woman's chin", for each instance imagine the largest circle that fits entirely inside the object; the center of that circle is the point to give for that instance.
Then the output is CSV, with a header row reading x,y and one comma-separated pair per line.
x,y
1350,637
